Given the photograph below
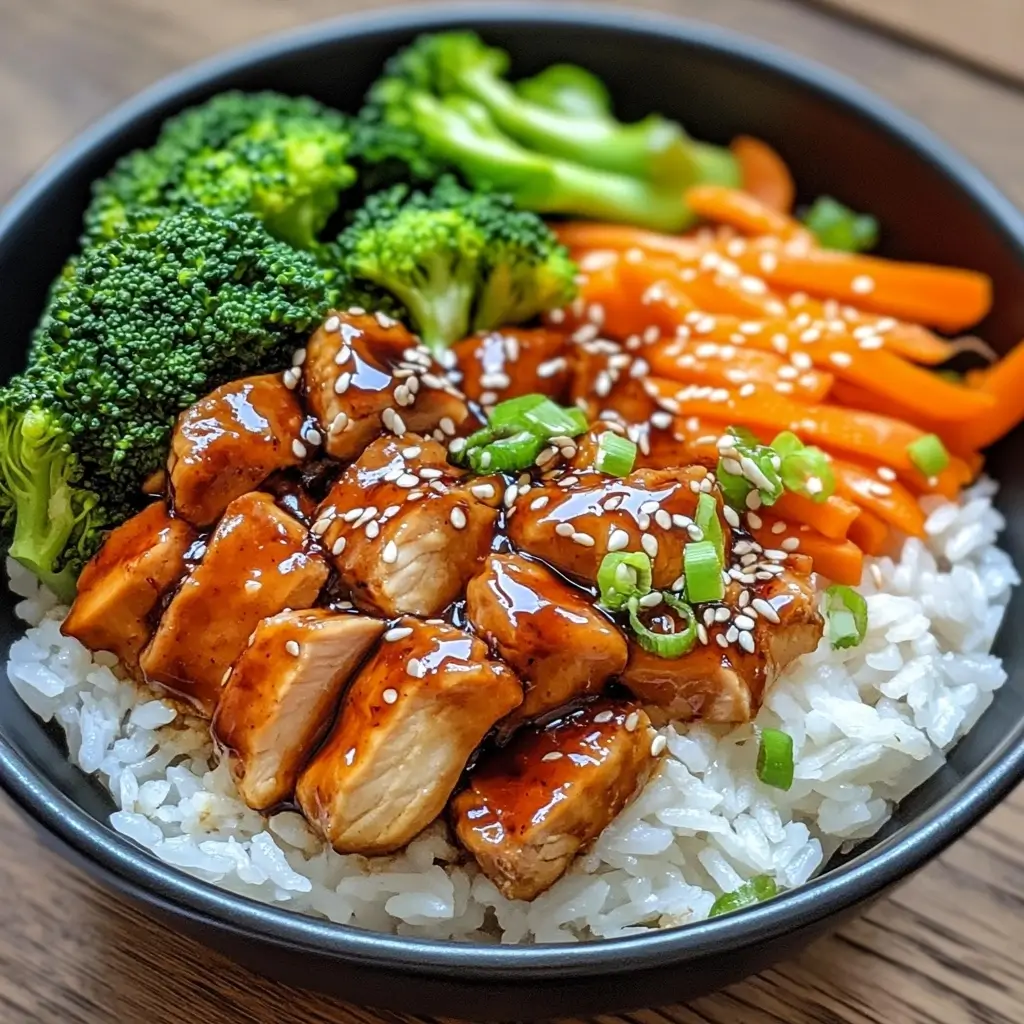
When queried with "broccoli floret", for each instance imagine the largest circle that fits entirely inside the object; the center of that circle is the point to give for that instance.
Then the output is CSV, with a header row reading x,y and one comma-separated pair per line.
x,y
553,144
281,158
138,329
457,259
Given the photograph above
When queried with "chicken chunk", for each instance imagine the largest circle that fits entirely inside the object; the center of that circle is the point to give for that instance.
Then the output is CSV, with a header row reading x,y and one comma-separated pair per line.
x,y
551,636
281,697
512,362
256,564
725,679
405,531
574,527
531,807
121,587
366,375
609,381
408,725
229,442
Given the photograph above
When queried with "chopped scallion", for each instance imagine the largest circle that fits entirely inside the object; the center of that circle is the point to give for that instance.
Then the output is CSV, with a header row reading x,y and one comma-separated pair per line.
x,y
615,454
775,759
846,613
804,470
756,890
665,645
703,570
623,575
506,454
706,517
755,464
838,227
929,454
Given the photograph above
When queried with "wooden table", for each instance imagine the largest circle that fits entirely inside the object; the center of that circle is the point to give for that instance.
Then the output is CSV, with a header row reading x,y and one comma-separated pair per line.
x,y
947,948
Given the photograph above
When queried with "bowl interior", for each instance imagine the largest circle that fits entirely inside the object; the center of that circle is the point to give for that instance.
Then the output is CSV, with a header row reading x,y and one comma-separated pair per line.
x,y
714,85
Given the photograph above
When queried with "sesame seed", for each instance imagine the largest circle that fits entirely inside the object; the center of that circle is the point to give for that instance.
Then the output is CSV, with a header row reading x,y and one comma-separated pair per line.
x,y
332,324
298,357
743,622
538,503
485,460
390,695
458,518
702,633
429,473
722,614
291,378
511,493
663,519
755,521
650,544
252,585
483,491
319,528
342,383
338,546
414,667
862,285
885,473
721,641
632,721
390,555
299,449
695,532
554,755
313,436
730,516
678,584
762,607
658,744
790,544
617,539
397,633
292,647
747,390
372,529
753,500
339,423
840,359
643,521
604,716
583,539
343,355
651,600
746,641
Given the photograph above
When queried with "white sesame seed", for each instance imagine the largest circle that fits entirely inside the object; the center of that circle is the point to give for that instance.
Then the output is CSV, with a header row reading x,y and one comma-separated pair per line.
x,y
565,529
299,449
746,641
292,647
252,585
356,311
338,546
658,744
604,716
483,491
663,519
730,516
790,544
290,378
650,544
338,424
632,721
390,554
722,614
554,755
343,355
841,359
747,390
458,518
885,473
643,521
390,695
313,437
397,633
342,383
720,640
372,529
617,539
407,480
332,324
862,285
651,600
414,667
319,528
538,503
754,521
762,607
583,539
744,622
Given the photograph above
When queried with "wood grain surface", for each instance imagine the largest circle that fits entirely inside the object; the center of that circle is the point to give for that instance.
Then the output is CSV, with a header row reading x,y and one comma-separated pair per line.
x,y
947,948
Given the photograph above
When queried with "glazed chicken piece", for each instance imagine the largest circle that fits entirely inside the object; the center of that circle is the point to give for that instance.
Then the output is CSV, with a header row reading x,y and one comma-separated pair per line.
x,y
512,362
366,375
532,806
408,725
404,530
573,527
609,379
281,696
256,564
120,588
229,442
551,636
725,680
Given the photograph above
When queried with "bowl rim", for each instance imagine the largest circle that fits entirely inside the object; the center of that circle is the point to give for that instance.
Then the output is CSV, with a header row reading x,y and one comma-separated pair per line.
x,y
139,874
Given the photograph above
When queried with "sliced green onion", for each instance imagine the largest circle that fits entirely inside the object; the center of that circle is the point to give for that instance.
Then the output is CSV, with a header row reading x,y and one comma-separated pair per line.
x,y
734,487
665,645
929,454
615,454
775,759
706,517
703,570
787,443
538,414
512,411
506,454
623,575
755,463
756,890
808,472
838,227
846,613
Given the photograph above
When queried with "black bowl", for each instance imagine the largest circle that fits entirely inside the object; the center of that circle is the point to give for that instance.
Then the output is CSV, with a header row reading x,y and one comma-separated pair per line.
x,y
838,138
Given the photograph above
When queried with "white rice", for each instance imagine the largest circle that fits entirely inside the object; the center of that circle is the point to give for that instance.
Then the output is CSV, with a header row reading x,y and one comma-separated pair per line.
x,y
869,725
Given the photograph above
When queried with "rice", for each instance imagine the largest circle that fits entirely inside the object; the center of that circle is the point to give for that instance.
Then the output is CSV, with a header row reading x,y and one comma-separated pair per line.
x,y
869,724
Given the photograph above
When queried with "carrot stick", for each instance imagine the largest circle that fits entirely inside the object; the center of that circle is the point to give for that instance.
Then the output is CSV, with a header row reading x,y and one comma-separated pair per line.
x,y
743,211
943,297
581,235
840,560
831,518
1004,381
764,173
870,533
887,499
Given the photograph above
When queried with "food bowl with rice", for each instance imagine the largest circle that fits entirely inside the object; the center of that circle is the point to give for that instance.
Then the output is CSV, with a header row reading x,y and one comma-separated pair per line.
x,y
498,523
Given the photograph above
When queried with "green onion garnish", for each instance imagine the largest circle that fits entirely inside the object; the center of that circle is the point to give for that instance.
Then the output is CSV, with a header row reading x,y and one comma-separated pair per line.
x,y
808,472
539,415
623,575
786,443
703,570
615,454
838,227
756,890
748,465
734,487
665,645
846,613
506,454
929,454
775,759
706,517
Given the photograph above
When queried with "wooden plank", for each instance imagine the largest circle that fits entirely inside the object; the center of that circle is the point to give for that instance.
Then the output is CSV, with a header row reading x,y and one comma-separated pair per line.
x,y
946,949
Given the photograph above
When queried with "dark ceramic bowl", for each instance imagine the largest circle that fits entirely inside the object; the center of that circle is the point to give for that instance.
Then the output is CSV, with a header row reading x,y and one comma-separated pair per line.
x,y
839,139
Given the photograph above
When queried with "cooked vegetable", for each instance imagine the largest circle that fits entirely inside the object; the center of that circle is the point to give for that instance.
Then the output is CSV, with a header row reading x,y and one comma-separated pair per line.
x,y
138,329
623,576
846,613
702,566
456,260
539,414
764,173
448,91
665,645
836,226
929,454
282,158
775,759
568,89
615,454
706,517
756,890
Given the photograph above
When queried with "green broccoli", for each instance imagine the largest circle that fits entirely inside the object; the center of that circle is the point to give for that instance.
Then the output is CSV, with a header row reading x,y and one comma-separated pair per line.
x,y
457,259
838,227
553,143
281,158
138,329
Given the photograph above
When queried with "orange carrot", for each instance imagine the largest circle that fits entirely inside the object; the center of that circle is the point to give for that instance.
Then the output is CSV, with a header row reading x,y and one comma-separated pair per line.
x,y
743,211
764,173
870,533
887,499
840,560
831,518
943,297
1004,382
580,235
